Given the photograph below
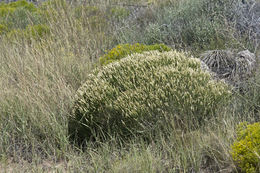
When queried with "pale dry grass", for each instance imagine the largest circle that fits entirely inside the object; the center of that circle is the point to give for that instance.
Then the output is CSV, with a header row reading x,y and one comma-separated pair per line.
x,y
38,81
236,68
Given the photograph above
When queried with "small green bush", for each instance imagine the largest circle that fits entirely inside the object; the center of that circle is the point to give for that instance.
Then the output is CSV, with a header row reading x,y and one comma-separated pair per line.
x,y
134,95
8,8
3,29
30,32
19,14
37,31
122,50
246,149
119,13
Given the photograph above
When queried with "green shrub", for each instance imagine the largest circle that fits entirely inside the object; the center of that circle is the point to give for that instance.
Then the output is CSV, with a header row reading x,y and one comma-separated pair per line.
x,y
22,3
122,50
93,18
246,149
19,14
141,91
119,13
3,29
194,24
8,8
30,32
37,31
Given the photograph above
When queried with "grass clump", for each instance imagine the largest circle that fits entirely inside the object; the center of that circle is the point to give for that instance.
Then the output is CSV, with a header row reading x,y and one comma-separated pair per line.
x,y
246,149
235,67
145,91
122,50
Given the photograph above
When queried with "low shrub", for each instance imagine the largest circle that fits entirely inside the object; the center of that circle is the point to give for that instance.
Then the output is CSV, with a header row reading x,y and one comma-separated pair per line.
x,y
37,31
122,50
7,8
30,32
119,13
143,91
3,29
197,25
18,14
246,148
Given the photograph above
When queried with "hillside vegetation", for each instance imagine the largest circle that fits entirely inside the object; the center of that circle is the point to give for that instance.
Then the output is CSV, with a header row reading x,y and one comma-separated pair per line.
x,y
117,86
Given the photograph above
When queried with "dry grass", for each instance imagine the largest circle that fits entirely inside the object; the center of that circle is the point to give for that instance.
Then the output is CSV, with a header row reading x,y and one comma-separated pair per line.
x,y
235,67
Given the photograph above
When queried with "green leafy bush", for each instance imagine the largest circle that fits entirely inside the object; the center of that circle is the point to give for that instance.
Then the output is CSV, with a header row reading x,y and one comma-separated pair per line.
x,y
195,24
18,14
3,29
7,8
141,91
119,13
37,31
30,32
122,50
246,149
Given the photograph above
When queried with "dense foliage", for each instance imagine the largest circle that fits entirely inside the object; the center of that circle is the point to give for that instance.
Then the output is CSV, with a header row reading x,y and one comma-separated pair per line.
x,y
18,14
22,19
142,90
121,51
246,148
196,24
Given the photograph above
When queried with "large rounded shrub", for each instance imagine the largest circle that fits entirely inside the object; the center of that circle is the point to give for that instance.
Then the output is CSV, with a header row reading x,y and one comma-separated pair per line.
x,y
122,50
246,149
135,94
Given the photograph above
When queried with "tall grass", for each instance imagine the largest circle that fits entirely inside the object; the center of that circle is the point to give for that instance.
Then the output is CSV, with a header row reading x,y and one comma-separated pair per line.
x,y
38,81
40,76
